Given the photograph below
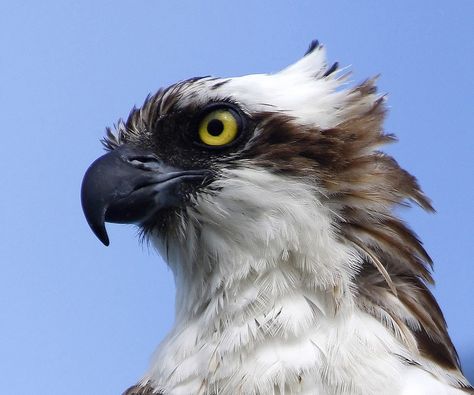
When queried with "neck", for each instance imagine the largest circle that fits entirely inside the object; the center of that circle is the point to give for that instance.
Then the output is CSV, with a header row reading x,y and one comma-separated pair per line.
x,y
285,247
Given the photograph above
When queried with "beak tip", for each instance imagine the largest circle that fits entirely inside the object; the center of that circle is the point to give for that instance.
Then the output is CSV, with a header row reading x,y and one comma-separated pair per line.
x,y
94,205
101,234
105,241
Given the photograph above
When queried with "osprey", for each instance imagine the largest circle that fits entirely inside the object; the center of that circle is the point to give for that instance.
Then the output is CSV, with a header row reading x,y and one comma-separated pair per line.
x,y
268,198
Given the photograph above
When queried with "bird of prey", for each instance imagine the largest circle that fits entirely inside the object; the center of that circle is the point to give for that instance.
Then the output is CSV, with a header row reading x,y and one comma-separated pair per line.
x,y
269,199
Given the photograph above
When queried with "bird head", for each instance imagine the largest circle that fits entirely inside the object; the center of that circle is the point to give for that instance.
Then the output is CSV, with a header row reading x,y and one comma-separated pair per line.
x,y
229,150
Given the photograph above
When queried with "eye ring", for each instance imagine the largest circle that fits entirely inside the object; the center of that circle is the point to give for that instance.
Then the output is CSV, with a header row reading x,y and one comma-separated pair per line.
x,y
218,126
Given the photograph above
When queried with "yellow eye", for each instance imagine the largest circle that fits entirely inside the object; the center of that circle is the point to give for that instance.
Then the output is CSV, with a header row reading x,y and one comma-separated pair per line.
x,y
219,127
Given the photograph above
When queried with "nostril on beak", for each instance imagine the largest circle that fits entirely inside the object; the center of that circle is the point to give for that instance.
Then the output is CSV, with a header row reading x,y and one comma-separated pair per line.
x,y
144,162
143,158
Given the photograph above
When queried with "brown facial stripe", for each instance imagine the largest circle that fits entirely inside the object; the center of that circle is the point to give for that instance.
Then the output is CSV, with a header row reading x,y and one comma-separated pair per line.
x,y
343,159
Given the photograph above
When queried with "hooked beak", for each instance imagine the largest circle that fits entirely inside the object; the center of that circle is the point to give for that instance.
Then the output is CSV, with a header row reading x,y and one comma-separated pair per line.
x,y
130,185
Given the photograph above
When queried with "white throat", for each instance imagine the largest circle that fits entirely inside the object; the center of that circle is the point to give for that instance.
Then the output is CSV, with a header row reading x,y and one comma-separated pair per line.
x,y
265,303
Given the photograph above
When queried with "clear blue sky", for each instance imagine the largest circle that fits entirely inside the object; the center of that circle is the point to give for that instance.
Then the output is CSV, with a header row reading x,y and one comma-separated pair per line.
x,y
78,318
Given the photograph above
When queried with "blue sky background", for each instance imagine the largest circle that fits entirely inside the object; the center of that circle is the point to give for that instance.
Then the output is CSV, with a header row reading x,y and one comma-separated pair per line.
x,y
79,318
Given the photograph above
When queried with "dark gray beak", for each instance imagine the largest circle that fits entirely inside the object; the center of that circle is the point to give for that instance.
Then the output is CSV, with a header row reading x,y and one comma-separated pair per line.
x,y
129,186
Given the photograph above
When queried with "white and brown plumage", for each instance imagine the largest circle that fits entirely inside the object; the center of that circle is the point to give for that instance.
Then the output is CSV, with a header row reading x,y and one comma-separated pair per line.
x,y
293,274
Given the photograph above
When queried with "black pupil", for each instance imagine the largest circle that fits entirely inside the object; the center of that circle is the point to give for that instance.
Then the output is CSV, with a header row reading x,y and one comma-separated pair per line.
x,y
215,127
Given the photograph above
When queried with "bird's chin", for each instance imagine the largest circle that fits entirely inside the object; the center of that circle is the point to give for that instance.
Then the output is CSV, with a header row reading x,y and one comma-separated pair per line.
x,y
132,186
161,224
